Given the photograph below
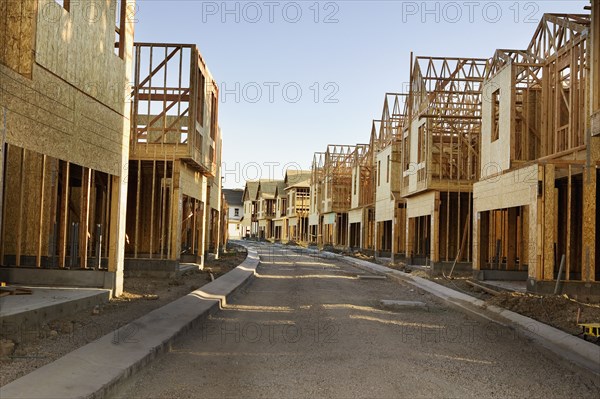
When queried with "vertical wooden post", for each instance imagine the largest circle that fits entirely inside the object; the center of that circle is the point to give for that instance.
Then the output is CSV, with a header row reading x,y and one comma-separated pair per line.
x,y
38,259
3,158
84,216
163,214
21,206
569,221
2,203
549,221
152,206
137,210
64,221
511,238
175,214
435,229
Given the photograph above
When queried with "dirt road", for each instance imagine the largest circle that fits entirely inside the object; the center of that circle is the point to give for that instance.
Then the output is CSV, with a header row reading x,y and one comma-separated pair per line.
x,y
309,327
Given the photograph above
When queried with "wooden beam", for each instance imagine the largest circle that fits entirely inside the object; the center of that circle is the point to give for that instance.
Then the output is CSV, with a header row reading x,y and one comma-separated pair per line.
x,y
152,207
137,210
64,221
3,159
569,229
84,216
21,207
38,260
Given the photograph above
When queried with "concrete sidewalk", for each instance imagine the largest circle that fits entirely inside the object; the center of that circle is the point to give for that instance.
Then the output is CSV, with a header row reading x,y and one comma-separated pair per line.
x,y
574,349
48,303
93,370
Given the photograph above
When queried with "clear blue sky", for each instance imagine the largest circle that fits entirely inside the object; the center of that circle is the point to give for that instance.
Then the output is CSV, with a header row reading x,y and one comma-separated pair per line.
x,y
343,55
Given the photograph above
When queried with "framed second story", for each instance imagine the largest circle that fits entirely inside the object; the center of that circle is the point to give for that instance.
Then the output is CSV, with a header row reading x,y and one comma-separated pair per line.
x,y
297,188
441,140
266,198
535,100
282,201
337,178
363,177
175,106
249,198
387,144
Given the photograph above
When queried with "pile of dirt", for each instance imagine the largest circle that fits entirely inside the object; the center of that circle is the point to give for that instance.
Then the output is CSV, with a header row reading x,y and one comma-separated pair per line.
x,y
556,311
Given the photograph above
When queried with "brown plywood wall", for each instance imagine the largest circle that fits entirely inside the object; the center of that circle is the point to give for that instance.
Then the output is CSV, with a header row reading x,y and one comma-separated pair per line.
x,y
68,124
17,34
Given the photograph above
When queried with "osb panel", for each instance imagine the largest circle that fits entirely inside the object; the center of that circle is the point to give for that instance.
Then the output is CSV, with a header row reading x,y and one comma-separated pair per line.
x,y
421,205
495,156
355,193
414,154
589,239
68,124
191,182
516,188
355,216
17,35
476,244
78,47
549,221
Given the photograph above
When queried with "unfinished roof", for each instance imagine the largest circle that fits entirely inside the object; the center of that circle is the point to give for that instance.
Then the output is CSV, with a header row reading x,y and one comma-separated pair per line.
x,y
393,120
446,87
317,168
297,178
554,32
251,190
234,196
267,188
280,189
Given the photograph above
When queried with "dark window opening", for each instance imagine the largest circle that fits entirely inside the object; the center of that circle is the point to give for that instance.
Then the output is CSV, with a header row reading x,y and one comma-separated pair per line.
x,y
496,115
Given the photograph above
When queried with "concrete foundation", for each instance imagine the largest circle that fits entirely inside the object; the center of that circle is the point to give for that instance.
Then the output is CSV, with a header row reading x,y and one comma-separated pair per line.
x,y
136,267
501,275
577,289
80,278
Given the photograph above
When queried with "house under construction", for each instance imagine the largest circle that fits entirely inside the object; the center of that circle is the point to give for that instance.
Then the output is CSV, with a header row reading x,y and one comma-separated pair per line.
x,y
249,222
174,186
64,129
361,215
441,151
390,207
336,195
297,191
536,206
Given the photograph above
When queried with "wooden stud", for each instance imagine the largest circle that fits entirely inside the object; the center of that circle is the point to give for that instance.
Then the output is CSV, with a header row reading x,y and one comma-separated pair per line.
x,y
84,217
38,260
64,220
137,209
2,202
21,207
152,208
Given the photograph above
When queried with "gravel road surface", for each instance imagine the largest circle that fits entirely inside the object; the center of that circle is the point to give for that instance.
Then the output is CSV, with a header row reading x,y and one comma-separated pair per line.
x,y
307,326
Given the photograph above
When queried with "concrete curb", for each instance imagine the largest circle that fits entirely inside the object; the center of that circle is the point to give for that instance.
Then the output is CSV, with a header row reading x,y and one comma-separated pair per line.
x,y
93,370
576,350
